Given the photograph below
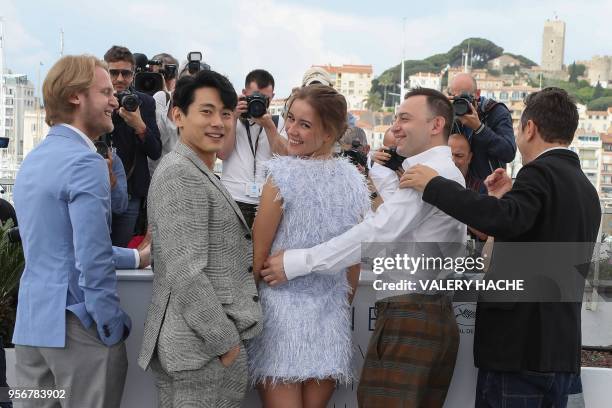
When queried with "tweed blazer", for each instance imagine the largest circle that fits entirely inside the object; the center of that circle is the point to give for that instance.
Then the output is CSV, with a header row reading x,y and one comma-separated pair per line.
x,y
204,296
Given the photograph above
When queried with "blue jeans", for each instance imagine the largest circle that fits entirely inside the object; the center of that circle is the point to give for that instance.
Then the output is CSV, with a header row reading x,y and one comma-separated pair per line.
x,y
123,225
525,389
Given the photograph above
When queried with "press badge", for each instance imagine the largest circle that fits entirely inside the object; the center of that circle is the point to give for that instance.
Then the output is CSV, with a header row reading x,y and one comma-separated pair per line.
x,y
253,189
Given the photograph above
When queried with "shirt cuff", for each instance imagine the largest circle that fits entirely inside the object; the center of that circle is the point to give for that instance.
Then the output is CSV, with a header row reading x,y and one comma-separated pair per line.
x,y
295,262
136,258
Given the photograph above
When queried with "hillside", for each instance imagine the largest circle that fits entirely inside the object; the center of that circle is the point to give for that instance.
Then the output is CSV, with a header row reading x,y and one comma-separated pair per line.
x,y
481,51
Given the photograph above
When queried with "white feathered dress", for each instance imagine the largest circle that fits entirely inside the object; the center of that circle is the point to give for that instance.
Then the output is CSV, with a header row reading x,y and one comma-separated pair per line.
x,y
307,325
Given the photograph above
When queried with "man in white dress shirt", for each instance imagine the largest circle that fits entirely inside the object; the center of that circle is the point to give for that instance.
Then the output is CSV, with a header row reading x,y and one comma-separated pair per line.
x,y
412,352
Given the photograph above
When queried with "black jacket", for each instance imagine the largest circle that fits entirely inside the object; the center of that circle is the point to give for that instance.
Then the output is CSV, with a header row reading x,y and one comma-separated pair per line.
x,y
133,151
494,146
551,201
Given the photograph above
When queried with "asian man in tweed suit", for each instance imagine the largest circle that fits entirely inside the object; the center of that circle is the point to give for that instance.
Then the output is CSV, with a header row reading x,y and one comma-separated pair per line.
x,y
205,302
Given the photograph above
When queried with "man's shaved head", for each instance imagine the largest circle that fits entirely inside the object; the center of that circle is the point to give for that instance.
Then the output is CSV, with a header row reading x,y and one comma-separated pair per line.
x,y
389,138
463,83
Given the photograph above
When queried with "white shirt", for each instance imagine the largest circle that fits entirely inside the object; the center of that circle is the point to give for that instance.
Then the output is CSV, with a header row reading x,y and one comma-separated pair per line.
x,y
167,129
405,217
237,171
385,180
90,144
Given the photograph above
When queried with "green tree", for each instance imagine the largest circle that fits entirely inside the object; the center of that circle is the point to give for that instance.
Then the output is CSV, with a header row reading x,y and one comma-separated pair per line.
x,y
385,81
573,72
598,92
600,104
374,101
511,69
480,49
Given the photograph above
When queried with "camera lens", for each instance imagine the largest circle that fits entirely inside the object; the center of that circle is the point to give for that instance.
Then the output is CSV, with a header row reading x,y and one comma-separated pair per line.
x,y
130,103
461,106
257,108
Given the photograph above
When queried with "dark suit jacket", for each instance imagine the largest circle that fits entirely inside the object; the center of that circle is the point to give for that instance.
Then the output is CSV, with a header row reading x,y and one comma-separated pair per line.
x,y
134,151
551,201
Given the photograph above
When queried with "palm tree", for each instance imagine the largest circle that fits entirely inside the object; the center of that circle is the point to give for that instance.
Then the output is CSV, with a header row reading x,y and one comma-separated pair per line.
x,y
385,81
374,103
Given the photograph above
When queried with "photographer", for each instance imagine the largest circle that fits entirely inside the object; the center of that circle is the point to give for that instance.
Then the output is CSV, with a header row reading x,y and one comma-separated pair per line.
x,y
253,140
384,173
487,124
136,138
168,68
163,101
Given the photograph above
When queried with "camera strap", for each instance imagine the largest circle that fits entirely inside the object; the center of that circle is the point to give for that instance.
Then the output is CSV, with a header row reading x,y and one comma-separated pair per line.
x,y
247,125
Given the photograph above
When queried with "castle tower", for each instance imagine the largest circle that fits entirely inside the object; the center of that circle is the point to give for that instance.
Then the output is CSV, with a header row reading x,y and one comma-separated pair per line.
x,y
553,45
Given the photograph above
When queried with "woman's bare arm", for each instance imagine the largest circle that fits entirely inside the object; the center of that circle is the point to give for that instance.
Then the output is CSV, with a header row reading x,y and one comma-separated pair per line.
x,y
265,225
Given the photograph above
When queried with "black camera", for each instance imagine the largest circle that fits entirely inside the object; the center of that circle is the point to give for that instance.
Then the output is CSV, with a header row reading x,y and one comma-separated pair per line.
x,y
195,63
129,100
356,156
257,105
395,161
145,80
102,148
463,104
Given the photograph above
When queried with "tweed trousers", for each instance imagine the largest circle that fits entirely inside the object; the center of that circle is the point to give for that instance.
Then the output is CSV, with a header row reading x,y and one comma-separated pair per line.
x,y
212,386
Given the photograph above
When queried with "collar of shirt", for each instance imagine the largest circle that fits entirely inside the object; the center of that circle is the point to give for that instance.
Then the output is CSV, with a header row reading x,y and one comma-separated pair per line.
x,y
552,148
90,144
427,156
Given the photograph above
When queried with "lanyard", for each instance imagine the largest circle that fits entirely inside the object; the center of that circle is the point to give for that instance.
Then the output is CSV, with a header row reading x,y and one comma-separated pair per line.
x,y
253,149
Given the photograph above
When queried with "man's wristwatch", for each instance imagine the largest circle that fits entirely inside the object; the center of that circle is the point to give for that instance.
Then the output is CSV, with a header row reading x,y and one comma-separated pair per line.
x,y
480,128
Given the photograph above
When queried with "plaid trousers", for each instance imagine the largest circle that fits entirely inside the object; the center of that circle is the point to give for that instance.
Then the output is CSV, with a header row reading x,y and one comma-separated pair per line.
x,y
411,354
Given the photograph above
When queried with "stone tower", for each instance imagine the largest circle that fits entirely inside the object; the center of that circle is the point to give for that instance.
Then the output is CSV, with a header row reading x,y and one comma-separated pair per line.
x,y
553,45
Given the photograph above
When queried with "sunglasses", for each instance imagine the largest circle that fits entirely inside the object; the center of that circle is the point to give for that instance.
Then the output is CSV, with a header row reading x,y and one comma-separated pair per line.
x,y
126,73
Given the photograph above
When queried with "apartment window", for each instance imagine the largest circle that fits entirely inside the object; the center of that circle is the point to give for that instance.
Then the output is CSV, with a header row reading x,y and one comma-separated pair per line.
x,y
10,101
351,84
10,91
33,127
9,111
8,122
515,96
503,96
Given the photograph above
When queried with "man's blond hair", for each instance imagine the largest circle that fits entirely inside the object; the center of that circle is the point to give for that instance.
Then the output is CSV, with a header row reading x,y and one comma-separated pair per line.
x,y
70,75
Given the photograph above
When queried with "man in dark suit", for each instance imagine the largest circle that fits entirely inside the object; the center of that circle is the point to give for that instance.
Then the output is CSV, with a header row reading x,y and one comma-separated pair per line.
x,y
136,138
527,352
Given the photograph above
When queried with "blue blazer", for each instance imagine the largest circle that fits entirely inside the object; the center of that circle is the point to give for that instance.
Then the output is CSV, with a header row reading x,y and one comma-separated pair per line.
x,y
62,200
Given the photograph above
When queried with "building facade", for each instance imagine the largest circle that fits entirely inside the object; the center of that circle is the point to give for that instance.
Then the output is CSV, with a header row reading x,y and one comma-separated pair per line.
x,y
553,45
352,81
589,148
18,95
606,167
595,121
425,80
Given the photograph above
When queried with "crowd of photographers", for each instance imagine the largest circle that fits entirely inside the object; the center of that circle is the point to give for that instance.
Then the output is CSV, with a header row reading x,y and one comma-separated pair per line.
x,y
143,131
482,136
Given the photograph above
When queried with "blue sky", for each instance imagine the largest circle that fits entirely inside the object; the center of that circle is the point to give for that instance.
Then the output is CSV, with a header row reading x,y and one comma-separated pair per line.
x,y
286,37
